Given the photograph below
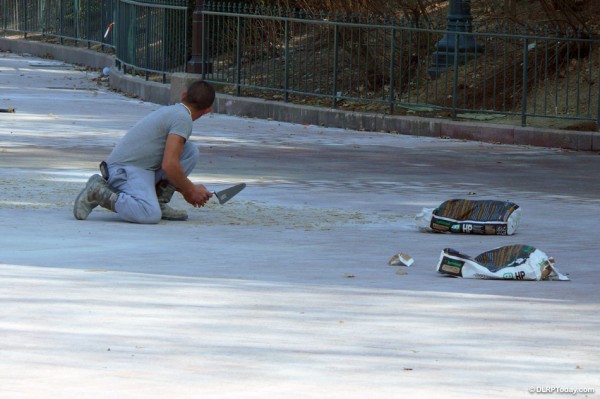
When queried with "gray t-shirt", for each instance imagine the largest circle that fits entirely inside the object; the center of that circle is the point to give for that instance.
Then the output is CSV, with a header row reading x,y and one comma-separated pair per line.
x,y
144,144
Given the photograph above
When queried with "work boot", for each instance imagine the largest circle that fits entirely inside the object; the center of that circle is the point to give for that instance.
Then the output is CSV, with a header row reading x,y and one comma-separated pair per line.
x,y
164,193
96,192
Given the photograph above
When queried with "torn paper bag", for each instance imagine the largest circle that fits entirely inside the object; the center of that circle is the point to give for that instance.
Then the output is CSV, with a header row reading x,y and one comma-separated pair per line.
x,y
511,262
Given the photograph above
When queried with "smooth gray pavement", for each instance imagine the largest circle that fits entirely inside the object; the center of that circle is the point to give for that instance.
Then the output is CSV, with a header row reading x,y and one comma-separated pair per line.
x,y
285,291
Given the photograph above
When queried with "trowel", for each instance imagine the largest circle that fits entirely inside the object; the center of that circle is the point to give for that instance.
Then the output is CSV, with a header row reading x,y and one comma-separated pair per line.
x,y
225,195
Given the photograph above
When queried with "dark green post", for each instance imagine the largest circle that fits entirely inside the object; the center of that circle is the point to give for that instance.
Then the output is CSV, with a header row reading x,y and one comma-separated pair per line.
x,y
454,44
198,62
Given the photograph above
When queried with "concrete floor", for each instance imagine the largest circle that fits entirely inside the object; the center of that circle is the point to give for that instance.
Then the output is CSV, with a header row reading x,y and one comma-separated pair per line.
x,y
285,291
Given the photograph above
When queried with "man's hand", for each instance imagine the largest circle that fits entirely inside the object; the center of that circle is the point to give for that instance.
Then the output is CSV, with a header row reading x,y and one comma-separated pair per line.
x,y
197,196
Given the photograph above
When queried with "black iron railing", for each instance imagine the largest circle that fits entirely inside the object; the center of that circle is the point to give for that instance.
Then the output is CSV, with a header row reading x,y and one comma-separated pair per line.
x,y
355,62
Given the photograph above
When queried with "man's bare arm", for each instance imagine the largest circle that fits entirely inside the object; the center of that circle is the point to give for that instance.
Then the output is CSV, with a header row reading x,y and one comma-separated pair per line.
x,y
197,195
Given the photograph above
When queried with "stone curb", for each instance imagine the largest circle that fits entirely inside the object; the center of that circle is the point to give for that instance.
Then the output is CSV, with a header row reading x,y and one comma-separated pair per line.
x,y
285,112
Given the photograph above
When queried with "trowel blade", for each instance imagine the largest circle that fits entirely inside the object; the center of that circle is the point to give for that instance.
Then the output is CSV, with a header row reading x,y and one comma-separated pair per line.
x,y
225,195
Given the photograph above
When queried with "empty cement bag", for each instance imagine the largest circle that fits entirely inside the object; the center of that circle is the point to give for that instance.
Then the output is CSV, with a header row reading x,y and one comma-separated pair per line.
x,y
471,217
511,262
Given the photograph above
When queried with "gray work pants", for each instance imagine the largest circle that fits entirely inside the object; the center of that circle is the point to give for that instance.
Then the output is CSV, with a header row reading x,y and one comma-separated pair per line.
x,y
137,202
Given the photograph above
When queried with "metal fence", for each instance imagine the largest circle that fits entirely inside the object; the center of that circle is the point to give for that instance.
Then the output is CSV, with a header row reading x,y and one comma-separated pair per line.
x,y
147,36
83,21
397,66
152,36
355,62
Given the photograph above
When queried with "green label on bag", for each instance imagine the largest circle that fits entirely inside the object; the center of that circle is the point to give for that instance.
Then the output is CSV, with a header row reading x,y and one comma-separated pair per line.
x,y
452,267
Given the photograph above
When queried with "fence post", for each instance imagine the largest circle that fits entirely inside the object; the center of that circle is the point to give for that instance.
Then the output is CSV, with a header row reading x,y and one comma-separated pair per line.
x,y
198,62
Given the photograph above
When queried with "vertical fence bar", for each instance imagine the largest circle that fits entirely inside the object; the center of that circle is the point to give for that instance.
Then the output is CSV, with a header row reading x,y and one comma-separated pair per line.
x,y
147,41
4,17
203,50
335,64
380,43
475,61
286,76
25,17
598,99
359,57
213,24
577,98
249,49
314,50
165,31
257,79
524,89
275,53
535,84
368,66
310,60
485,80
401,68
427,56
435,85
546,72
464,61
589,76
567,74
88,24
392,67
556,66
301,51
238,57
62,22
385,48
418,73
245,47
345,58
76,21
591,68
455,83
409,77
